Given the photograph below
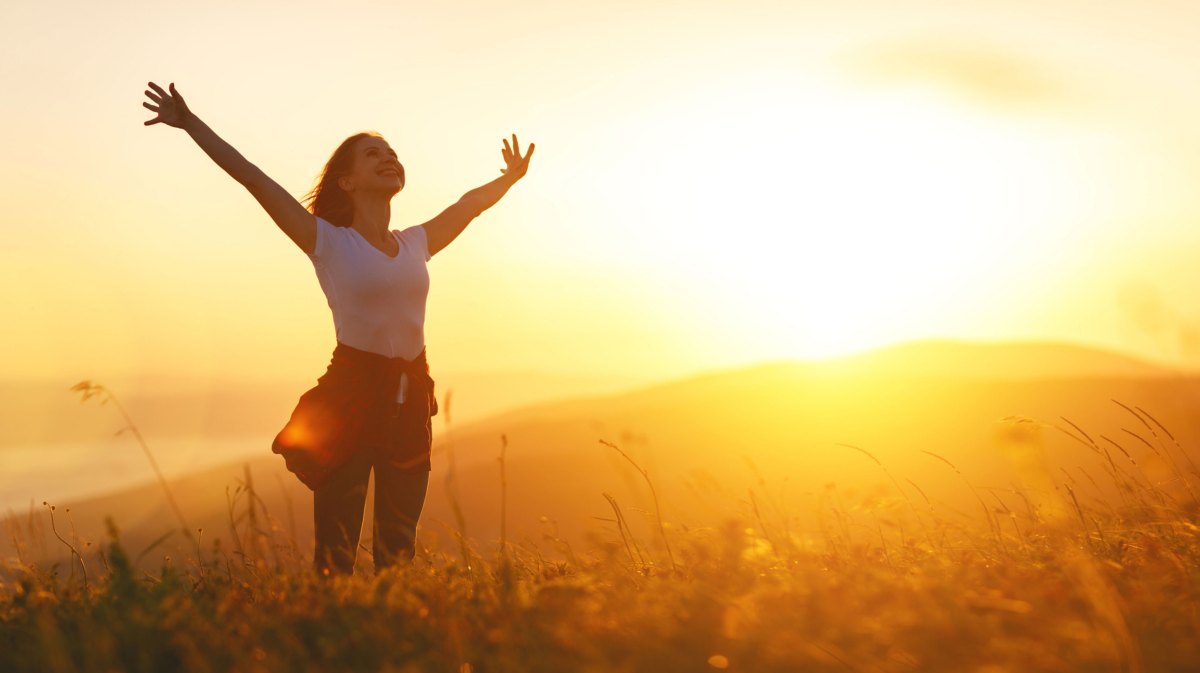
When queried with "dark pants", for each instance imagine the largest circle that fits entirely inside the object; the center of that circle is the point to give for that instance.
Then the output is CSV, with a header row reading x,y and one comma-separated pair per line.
x,y
400,487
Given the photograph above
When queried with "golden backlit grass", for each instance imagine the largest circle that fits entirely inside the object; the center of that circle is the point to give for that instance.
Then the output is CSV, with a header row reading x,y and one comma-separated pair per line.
x,y
1034,579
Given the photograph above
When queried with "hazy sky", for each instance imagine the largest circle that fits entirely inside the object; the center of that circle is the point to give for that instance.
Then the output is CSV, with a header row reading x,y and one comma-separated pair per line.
x,y
715,183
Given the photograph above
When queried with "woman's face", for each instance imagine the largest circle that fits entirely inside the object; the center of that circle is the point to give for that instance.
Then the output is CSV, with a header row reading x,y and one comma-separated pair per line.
x,y
376,168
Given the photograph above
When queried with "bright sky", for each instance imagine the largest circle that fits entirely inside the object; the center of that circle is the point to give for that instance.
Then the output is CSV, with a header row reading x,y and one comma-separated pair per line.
x,y
715,183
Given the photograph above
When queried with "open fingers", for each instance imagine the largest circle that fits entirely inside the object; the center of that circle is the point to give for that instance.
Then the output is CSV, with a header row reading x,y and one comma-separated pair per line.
x,y
154,97
177,95
157,89
512,155
148,106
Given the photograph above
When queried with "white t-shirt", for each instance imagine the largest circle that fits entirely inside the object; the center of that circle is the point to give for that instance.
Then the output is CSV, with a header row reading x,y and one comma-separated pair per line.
x,y
378,302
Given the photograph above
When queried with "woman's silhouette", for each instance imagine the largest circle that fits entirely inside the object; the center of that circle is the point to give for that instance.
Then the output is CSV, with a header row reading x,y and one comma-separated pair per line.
x,y
371,409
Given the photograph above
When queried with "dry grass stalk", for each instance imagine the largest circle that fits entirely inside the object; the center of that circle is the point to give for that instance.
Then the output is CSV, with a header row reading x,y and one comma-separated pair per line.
x,y
88,390
654,494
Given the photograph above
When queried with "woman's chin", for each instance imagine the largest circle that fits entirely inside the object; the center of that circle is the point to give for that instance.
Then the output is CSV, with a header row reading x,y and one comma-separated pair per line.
x,y
389,190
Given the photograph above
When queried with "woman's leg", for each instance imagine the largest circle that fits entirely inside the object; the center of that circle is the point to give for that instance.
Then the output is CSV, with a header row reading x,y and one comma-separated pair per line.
x,y
338,514
399,499
401,481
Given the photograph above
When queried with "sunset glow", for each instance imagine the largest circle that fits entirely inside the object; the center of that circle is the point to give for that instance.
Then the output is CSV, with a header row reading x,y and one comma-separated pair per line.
x,y
815,336
748,188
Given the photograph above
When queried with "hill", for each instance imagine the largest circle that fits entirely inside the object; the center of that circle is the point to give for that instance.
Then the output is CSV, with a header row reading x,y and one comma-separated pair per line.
x,y
784,432
999,360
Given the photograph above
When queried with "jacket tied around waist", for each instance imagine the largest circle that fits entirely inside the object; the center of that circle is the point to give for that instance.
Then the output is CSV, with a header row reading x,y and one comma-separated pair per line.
x,y
356,393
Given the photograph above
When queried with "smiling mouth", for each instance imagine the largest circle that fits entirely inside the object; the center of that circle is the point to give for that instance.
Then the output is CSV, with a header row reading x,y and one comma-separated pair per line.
x,y
390,171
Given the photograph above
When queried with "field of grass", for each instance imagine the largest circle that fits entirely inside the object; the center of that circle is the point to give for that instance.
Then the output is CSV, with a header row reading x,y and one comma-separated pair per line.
x,y
1036,579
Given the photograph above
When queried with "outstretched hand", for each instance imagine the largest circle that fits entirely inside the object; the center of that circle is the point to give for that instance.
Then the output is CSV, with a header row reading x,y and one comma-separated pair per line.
x,y
170,107
515,165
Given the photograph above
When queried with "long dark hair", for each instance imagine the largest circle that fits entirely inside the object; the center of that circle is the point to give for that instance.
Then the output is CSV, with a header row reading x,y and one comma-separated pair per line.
x,y
328,201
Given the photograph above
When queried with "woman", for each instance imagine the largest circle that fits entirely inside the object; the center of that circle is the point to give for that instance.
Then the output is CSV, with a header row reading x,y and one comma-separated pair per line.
x,y
371,409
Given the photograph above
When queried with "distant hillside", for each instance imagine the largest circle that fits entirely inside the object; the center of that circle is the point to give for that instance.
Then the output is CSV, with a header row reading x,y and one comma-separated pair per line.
x,y
46,412
1000,360
779,430
950,360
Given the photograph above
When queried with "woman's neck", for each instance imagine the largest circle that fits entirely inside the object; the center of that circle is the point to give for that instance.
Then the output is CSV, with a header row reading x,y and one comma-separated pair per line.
x,y
372,217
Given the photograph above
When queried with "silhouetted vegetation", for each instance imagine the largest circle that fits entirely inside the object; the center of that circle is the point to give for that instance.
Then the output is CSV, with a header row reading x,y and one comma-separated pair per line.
x,y
1036,579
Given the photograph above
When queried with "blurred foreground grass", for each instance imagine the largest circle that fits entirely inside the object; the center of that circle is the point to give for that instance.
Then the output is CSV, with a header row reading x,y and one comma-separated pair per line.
x,y
1034,580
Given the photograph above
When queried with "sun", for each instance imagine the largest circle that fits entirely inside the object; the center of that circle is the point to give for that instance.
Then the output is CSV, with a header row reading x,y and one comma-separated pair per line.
x,y
859,219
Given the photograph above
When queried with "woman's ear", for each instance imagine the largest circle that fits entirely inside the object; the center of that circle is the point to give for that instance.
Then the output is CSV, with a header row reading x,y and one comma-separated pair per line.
x,y
345,183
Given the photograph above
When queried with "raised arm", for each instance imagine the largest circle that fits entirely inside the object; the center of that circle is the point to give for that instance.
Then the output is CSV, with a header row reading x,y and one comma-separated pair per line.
x,y
299,224
446,227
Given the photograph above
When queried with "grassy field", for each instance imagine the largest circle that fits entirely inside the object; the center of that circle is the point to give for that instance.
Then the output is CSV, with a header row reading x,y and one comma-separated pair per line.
x,y
1037,579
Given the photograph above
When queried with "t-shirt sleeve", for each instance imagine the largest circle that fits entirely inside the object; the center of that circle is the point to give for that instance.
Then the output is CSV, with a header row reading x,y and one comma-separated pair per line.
x,y
325,235
416,237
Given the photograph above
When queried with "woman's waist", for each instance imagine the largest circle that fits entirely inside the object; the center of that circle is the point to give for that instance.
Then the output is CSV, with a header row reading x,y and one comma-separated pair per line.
x,y
360,359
